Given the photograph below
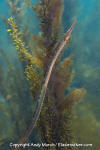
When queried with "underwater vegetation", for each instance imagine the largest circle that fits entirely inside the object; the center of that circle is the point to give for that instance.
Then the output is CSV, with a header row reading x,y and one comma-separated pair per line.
x,y
87,67
84,115
54,121
14,98
57,106
35,53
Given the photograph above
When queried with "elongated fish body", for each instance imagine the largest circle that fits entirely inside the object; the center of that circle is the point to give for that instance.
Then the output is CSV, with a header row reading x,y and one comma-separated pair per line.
x,y
45,85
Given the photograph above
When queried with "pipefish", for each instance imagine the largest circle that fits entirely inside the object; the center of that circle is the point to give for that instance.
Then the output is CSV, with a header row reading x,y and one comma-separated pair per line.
x,y
45,85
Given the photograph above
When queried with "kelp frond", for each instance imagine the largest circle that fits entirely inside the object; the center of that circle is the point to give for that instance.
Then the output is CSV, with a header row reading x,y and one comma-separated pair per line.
x,y
49,13
71,99
34,65
17,40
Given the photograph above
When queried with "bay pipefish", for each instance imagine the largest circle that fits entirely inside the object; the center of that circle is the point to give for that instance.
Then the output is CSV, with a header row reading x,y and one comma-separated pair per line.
x,y
44,87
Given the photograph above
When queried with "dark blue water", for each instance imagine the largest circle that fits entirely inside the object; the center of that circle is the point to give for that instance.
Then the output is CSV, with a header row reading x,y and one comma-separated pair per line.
x,y
85,45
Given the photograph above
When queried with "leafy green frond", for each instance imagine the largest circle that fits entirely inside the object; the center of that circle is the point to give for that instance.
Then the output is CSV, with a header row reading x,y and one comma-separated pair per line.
x,y
34,65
